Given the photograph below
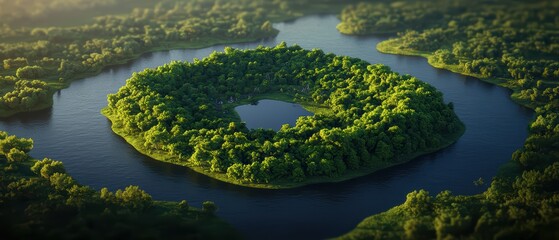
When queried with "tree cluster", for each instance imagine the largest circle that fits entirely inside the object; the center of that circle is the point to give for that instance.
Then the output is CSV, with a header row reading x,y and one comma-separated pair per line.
x,y
26,94
40,200
377,118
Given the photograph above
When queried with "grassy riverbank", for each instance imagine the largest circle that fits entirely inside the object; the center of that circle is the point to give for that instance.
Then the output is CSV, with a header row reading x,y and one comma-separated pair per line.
x,y
393,46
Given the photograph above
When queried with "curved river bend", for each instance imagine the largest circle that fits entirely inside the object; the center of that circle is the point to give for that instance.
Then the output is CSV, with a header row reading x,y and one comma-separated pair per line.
x,y
74,132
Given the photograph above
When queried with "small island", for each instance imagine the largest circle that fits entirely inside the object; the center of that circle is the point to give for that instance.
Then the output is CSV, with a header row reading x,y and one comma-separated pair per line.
x,y
366,117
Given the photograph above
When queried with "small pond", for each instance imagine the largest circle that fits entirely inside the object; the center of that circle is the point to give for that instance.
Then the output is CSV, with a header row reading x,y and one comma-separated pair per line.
x,y
270,114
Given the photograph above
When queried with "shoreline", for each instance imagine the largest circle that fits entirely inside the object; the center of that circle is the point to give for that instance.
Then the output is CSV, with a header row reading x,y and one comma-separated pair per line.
x,y
138,144
390,46
202,43
177,45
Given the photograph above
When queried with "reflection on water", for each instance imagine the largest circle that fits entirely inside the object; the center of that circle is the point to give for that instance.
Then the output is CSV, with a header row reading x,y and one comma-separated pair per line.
x,y
74,132
28,118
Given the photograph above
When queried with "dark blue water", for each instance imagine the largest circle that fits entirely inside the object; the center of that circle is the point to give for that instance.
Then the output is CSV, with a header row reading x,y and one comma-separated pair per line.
x,y
74,132
270,114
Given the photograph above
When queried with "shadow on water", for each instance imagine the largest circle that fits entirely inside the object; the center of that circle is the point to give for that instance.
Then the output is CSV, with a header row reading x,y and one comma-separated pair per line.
x,y
24,118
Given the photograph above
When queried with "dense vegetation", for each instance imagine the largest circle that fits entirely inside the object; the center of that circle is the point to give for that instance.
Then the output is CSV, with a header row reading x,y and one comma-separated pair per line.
x,y
38,199
376,118
511,43
57,55
33,12
390,16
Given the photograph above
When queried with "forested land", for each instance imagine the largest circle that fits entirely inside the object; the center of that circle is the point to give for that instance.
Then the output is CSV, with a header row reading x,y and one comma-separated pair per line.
x,y
56,55
181,113
39,200
514,44
42,13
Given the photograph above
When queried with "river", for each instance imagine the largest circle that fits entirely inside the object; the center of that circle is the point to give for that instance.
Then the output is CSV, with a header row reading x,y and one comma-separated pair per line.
x,y
74,132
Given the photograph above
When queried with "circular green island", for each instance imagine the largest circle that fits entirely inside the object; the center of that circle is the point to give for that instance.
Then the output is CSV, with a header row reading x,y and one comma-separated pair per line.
x,y
366,117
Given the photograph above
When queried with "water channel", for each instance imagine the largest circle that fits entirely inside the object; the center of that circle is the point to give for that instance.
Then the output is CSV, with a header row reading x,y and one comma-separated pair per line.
x,y
74,132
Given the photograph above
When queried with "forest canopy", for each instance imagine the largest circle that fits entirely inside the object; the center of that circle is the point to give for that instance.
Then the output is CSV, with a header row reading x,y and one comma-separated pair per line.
x,y
377,118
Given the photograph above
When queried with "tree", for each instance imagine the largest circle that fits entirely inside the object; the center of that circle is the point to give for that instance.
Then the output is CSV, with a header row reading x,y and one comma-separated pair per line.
x,y
267,26
15,63
16,155
209,207
48,167
12,142
418,202
383,151
134,198
417,229
61,181
30,72
183,205
80,196
443,56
